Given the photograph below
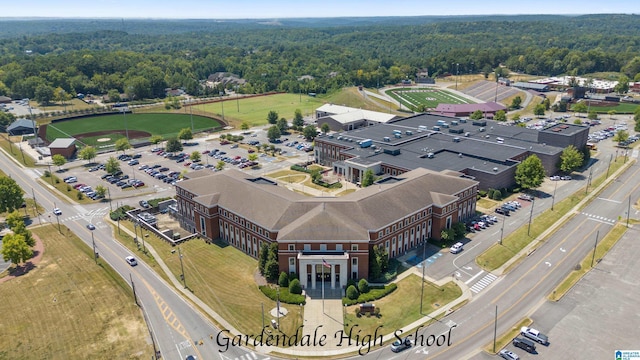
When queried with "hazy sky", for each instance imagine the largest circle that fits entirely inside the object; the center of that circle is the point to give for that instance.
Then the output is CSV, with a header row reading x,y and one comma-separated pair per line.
x,y
270,9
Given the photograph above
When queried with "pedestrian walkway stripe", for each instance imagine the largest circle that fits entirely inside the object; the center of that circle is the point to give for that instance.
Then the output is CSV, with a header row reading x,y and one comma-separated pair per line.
x,y
482,283
598,217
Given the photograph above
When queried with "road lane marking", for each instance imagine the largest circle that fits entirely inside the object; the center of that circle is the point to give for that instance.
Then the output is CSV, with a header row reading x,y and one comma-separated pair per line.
x,y
613,201
474,277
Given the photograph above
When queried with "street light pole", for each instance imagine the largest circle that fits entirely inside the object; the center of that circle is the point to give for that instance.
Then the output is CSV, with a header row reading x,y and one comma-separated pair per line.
x,y
191,113
222,104
58,219
424,253
457,73
594,248
124,115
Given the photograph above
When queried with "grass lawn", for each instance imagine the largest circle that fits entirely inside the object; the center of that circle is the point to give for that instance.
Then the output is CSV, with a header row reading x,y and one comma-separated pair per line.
x,y
14,150
621,108
255,110
223,277
486,203
497,254
602,249
402,307
73,104
66,189
68,307
164,124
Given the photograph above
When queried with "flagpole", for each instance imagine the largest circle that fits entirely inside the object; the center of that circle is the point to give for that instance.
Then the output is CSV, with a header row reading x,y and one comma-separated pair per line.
x,y
323,286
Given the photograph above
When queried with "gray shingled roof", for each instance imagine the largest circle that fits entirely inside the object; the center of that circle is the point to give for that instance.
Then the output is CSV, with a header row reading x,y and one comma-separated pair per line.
x,y
296,216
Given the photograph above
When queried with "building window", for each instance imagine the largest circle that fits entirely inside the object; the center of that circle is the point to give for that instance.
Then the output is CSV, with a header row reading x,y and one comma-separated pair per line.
x,y
338,247
354,247
292,247
379,234
203,228
323,247
307,247
448,222
292,261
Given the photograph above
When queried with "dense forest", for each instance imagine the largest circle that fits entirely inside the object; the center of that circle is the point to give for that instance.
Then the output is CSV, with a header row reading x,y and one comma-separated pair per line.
x,y
40,58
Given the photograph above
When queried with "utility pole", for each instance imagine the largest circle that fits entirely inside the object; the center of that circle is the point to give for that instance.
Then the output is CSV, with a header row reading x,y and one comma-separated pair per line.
x,y
109,192
533,201
457,73
553,198
222,104
609,166
594,248
495,329
133,286
95,253
588,181
184,280
35,207
504,218
50,173
628,210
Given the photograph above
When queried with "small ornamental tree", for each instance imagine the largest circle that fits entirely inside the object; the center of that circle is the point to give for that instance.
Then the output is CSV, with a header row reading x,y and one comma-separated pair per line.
x,y
352,292
295,287
363,286
283,280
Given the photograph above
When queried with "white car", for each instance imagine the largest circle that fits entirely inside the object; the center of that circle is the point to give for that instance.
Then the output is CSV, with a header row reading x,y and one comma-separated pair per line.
x,y
456,248
57,212
131,260
506,354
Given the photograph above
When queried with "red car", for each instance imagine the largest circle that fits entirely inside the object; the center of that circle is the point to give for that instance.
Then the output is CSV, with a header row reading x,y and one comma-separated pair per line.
x,y
205,152
77,186
187,163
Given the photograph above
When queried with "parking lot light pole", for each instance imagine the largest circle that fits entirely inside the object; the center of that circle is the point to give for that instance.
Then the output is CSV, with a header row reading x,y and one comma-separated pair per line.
x,y
553,198
95,253
533,201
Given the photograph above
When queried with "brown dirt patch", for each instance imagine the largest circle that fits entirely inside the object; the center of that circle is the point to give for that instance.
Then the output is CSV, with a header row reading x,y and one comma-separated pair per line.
x,y
133,134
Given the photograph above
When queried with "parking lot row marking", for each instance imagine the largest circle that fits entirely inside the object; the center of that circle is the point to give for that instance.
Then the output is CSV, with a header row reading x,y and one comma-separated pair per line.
x,y
484,282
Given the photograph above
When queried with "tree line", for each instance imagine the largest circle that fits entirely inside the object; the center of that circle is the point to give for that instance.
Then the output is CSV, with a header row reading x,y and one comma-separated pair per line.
x,y
142,65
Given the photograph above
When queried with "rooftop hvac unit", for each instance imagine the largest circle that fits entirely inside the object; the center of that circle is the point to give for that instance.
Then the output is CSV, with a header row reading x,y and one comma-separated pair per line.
x,y
495,169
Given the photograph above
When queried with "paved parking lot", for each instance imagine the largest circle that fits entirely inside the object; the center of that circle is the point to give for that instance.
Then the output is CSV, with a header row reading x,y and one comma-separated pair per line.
x,y
157,188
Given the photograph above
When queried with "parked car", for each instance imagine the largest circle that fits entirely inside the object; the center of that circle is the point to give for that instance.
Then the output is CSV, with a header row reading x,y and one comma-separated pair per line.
x,y
502,211
70,179
456,248
143,167
534,335
509,355
133,162
144,204
525,197
57,212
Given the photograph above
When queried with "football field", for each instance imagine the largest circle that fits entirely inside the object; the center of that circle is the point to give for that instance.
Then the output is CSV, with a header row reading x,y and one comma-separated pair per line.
x,y
425,99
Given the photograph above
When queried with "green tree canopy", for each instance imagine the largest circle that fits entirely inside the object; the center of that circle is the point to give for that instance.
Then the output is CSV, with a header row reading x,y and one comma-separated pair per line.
x,y
367,178
298,120
87,153
272,117
516,102
101,191
58,160
173,145
273,133
10,194
539,110
112,166
325,128
621,136
185,134
500,116
309,132
244,126
283,125
477,115
570,159
530,173
580,107
195,156
156,139
122,144
15,249
44,94
220,165
623,85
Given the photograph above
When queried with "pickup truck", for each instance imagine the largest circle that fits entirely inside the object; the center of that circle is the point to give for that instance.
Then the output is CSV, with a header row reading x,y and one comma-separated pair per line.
x,y
534,335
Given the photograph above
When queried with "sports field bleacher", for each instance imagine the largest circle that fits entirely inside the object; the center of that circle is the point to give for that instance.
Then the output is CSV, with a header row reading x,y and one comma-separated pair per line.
x,y
486,91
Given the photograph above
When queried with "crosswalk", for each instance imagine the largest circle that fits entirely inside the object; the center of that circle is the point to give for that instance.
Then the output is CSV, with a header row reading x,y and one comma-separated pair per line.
x,y
483,283
96,213
599,218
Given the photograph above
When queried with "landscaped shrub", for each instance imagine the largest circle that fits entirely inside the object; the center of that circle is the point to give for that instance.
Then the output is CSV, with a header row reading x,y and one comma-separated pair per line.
x,y
482,193
375,293
79,195
295,287
351,282
363,286
300,168
352,293
285,296
283,281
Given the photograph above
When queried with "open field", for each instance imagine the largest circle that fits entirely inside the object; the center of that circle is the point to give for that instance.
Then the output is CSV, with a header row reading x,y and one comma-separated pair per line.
x,y
620,108
254,110
416,98
394,316
67,307
69,105
117,126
